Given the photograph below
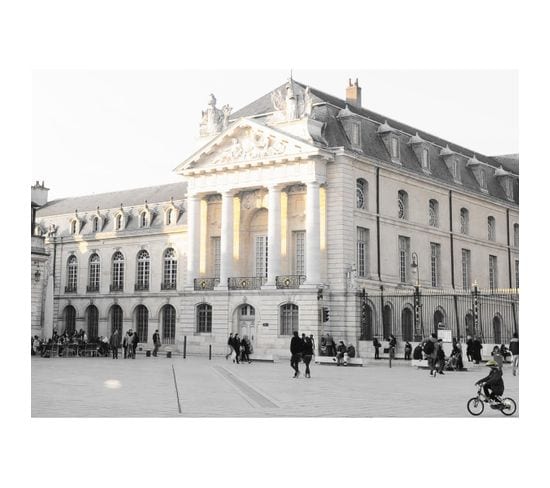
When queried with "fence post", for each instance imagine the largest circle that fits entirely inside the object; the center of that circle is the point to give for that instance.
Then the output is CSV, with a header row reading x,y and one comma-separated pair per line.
x,y
184,346
209,351
417,318
364,316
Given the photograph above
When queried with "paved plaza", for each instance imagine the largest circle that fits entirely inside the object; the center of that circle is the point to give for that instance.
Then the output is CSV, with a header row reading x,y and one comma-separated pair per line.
x,y
146,387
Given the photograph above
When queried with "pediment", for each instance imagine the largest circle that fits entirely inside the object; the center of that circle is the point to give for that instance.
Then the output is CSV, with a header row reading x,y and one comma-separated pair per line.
x,y
247,143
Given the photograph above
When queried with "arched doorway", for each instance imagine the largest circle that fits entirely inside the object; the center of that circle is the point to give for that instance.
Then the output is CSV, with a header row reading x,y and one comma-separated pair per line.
x,y
69,317
142,323
387,321
407,324
497,329
168,318
116,319
246,322
92,323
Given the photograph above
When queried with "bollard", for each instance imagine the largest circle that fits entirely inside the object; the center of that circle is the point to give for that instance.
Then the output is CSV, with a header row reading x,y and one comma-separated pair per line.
x,y
184,346
210,351
168,354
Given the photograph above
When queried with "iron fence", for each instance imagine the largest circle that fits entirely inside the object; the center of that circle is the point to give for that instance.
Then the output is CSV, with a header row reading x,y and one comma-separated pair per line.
x,y
411,315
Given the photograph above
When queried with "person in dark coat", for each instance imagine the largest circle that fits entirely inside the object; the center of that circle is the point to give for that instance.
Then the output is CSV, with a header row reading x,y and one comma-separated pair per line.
x,y
237,347
307,355
246,346
476,350
156,342
456,353
135,341
417,353
351,351
114,341
514,349
340,351
493,386
408,350
296,349
329,342
469,348
377,346
230,345
126,343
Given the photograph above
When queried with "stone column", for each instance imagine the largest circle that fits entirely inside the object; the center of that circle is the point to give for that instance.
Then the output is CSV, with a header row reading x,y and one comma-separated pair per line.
x,y
274,235
193,237
313,233
226,241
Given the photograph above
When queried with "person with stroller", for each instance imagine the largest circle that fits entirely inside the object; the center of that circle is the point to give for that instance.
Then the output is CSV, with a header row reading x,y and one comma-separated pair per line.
x,y
493,385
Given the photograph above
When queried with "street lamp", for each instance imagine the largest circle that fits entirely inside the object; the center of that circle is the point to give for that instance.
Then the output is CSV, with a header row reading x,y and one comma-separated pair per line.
x,y
414,266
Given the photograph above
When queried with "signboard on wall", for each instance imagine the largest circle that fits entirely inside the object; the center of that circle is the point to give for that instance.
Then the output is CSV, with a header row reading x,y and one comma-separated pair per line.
x,y
445,334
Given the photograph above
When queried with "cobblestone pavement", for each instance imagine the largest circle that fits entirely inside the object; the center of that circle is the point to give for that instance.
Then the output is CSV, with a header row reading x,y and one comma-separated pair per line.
x,y
145,387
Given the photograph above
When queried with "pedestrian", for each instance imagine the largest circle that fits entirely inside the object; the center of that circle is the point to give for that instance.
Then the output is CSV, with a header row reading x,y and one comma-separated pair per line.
x,y
236,347
350,351
408,350
230,346
245,345
417,353
476,350
457,354
125,342
156,342
440,356
329,342
377,346
495,353
514,349
312,339
114,341
296,348
469,348
135,341
430,350
35,344
307,354
340,351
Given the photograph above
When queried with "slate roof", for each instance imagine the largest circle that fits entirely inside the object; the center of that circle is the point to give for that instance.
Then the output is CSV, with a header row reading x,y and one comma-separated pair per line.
x,y
137,196
372,144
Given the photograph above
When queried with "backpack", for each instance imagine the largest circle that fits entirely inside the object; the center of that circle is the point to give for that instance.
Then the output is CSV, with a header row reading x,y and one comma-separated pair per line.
x,y
428,347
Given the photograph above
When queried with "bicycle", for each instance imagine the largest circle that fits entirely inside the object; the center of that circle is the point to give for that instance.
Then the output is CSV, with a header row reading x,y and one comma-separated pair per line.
x,y
476,405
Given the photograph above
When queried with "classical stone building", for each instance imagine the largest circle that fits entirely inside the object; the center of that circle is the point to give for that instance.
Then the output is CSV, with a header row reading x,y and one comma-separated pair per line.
x,y
291,207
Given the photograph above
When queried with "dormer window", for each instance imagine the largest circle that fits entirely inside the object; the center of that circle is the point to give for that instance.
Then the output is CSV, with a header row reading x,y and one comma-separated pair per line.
x,y
483,179
456,169
73,227
354,134
169,213
95,224
425,158
143,219
118,222
395,147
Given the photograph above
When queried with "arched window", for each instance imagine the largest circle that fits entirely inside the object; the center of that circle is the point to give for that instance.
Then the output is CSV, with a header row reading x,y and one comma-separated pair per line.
x,y
95,224
118,222
143,219
69,317
93,273
73,227
362,194
425,158
464,221
168,324
387,319
407,324
289,319
366,323
204,318
72,274
491,228
170,270
516,235
142,323
116,319
117,283
142,278
92,322
169,216
433,213
402,205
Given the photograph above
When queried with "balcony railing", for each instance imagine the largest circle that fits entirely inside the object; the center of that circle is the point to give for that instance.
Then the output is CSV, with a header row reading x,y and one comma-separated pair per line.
x,y
141,287
167,286
92,288
70,289
116,287
246,283
289,281
205,283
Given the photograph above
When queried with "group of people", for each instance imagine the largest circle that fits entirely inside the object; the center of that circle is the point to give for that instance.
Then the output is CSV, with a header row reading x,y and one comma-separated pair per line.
x,y
239,349
301,349
330,348
432,349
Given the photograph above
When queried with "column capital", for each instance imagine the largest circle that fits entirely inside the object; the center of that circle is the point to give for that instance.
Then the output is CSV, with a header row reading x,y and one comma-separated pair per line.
x,y
229,192
276,187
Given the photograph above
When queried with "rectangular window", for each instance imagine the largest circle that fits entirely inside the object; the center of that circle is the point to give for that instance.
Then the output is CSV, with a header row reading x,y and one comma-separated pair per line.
x,y
94,276
404,258
436,263
425,161
216,256
299,238
261,256
362,251
354,134
493,272
395,148
517,273
466,269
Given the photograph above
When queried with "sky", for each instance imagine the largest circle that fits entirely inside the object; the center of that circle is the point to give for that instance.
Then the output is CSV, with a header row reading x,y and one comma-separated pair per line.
x,y
96,131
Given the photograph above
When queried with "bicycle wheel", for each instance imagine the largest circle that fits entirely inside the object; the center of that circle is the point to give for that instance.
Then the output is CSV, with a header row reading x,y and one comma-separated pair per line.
x,y
475,406
509,406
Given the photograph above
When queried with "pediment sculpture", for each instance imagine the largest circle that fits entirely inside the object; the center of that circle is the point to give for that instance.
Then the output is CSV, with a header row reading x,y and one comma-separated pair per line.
x,y
214,120
291,103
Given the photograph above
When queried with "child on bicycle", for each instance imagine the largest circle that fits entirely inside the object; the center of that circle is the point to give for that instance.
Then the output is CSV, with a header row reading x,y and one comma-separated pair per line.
x,y
493,386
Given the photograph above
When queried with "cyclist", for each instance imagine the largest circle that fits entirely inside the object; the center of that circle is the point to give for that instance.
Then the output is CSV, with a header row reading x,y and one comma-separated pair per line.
x,y
493,386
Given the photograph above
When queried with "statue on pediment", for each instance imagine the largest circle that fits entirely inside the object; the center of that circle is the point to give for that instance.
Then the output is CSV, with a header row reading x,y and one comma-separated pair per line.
x,y
214,120
290,103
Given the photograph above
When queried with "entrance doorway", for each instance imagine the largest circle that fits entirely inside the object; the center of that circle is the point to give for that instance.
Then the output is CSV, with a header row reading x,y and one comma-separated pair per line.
x,y
246,323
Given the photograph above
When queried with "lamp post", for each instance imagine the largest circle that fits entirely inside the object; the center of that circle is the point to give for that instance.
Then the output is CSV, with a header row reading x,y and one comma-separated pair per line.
x,y
418,332
414,266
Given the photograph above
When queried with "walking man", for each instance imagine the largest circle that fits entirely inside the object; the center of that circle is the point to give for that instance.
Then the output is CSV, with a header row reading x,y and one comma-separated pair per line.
x,y
230,346
514,349
135,340
296,348
377,345
125,343
156,342
115,343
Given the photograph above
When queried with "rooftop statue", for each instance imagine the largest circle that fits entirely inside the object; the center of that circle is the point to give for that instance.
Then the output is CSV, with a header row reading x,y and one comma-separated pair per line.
x,y
214,120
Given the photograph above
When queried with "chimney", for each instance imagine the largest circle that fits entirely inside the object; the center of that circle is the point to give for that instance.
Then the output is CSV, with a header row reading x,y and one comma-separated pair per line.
x,y
39,194
353,93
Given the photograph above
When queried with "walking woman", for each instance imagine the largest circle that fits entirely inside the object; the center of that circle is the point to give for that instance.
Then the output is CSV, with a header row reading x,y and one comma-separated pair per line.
x,y
307,355
237,347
